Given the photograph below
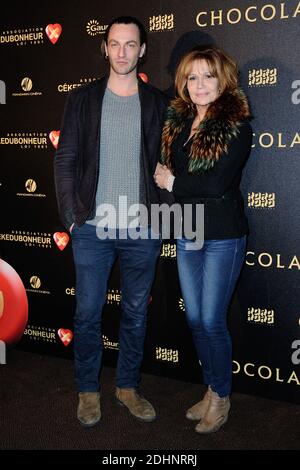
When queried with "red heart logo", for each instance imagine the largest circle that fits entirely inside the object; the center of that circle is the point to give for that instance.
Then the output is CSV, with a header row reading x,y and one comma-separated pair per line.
x,y
65,336
53,32
61,239
54,137
144,77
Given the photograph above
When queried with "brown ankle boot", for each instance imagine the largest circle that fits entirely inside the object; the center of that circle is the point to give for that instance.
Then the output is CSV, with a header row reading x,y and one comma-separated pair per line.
x,y
215,416
197,411
88,411
138,406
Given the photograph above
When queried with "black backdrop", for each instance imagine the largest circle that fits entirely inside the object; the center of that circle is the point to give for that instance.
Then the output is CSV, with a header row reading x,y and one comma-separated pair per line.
x,y
39,66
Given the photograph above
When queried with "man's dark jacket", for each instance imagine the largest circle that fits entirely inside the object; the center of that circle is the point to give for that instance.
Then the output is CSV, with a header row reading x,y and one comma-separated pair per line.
x,y
76,163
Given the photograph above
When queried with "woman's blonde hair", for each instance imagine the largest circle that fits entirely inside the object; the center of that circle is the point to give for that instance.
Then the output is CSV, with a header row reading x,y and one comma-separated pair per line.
x,y
220,65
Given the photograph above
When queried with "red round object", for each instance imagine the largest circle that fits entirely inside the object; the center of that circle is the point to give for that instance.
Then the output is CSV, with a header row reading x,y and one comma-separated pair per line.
x,y
13,304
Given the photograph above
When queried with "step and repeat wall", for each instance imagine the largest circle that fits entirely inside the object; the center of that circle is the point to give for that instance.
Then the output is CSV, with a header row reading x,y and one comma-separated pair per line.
x,y
49,48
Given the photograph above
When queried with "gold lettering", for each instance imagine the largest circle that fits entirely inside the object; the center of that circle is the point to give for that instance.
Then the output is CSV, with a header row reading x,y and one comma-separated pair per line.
x,y
238,367
267,12
70,290
246,367
297,11
271,142
216,17
282,9
296,139
239,16
263,12
269,372
248,262
278,379
260,259
278,262
294,262
247,16
279,140
198,19
293,377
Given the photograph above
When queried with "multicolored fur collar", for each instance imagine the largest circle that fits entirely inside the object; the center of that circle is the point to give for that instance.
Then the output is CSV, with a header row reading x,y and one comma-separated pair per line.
x,y
214,133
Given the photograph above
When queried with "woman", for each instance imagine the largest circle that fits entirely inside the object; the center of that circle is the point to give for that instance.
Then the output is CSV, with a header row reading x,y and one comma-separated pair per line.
x,y
206,141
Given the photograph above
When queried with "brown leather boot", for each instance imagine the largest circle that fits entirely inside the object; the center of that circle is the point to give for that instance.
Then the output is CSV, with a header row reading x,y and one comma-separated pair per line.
x,y
197,411
215,416
138,406
88,411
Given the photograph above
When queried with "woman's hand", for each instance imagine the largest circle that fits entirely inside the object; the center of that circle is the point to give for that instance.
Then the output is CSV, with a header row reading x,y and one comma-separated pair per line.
x,y
161,176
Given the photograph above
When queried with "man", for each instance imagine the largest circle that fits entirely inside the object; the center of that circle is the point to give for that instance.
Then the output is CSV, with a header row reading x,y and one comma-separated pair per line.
x,y
109,147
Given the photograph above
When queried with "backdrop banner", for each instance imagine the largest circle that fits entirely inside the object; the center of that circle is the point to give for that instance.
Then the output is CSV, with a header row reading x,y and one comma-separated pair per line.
x,y
48,49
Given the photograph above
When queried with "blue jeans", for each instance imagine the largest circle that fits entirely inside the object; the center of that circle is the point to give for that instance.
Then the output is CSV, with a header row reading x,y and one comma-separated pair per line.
x,y
93,259
208,277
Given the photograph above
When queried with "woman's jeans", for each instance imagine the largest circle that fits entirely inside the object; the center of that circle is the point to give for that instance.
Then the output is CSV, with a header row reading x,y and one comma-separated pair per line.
x,y
208,277
93,259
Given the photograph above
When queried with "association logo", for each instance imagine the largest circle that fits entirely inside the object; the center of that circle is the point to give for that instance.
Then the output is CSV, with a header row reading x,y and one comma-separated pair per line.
x,y
261,200
29,238
66,87
33,36
39,333
65,335
94,28
54,138
23,36
61,240
161,23
25,140
53,32
262,77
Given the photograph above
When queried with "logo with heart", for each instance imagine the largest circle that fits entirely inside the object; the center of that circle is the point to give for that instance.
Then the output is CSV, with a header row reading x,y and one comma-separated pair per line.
x,y
61,239
54,137
53,32
144,77
65,336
